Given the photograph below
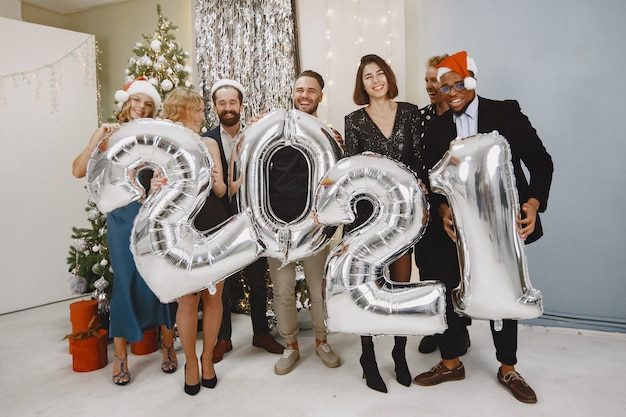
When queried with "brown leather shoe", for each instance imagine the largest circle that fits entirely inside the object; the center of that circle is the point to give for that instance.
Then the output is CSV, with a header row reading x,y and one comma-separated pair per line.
x,y
221,347
267,342
518,386
439,373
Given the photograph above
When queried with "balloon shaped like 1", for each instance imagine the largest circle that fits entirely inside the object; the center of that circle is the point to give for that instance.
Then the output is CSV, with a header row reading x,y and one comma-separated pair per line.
x,y
300,238
359,296
171,255
476,175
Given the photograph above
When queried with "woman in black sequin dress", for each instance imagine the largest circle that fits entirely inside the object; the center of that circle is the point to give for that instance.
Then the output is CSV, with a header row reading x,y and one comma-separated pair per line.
x,y
391,129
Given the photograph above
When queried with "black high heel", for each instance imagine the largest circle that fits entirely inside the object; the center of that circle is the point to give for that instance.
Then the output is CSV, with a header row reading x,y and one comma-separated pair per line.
x,y
370,369
209,383
403,375
191,389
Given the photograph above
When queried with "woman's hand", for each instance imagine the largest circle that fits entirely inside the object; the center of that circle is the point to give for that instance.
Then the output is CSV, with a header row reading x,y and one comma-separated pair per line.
x,y
158,181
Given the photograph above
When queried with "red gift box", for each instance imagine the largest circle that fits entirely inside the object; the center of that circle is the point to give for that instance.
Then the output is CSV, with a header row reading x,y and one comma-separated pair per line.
x,y
89,348
149,344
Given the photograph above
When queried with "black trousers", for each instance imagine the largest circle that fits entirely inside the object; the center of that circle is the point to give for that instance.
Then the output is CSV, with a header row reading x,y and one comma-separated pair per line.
x,y
255,275
436,257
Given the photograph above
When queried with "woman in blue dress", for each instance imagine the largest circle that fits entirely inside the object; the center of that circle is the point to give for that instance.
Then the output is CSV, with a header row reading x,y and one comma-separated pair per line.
x,y
391,129
134,307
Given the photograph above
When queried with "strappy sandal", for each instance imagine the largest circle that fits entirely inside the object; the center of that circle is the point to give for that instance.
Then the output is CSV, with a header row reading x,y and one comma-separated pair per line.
x,y
122,377
169,365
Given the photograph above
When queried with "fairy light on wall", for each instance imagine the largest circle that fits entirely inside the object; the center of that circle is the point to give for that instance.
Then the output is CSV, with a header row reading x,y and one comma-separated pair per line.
x,y
358,35
328,54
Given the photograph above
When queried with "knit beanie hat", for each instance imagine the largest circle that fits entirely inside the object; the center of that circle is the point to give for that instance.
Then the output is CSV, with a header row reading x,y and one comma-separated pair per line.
x,y
226,82
461,64
138,85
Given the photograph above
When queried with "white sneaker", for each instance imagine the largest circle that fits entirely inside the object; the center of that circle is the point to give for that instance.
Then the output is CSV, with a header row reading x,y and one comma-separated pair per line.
x,y
327,355
286,363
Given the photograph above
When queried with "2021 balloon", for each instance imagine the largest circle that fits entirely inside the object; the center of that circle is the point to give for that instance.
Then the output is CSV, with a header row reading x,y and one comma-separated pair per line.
x,y
171,255
257,144
359,296
476,175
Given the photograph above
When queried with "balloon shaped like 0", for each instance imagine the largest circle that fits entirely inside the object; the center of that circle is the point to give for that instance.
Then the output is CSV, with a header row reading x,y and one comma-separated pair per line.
x,y
171,255
476,175
300,238
359,296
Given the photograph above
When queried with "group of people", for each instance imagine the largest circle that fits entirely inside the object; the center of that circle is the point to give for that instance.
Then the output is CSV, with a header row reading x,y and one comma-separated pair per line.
x,y
401,131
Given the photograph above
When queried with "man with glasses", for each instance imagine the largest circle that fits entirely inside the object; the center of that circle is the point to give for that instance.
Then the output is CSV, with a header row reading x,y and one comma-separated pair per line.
x,y
469,115
435,254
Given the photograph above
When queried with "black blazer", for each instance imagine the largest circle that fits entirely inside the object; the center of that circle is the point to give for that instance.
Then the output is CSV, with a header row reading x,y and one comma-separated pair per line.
x,y
507,118
215,134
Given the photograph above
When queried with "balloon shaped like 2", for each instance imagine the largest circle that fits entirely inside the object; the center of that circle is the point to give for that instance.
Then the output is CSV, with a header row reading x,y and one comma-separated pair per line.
x,y
300,238
171,255
476,175
359,297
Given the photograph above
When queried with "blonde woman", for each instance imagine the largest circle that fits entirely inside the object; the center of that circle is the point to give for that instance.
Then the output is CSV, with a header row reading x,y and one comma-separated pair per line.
x,y
134,307
187,107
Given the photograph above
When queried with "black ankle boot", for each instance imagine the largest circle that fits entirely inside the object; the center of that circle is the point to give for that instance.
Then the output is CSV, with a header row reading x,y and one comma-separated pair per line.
x,y
399,358
370,369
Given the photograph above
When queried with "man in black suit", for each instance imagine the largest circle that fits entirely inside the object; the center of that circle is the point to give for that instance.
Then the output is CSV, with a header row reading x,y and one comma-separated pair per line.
x,y
227,96
468,115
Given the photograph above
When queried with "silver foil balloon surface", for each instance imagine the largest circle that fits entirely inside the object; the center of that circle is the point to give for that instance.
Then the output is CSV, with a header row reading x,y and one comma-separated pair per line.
x,y
476,175
171,255
359,296
255,147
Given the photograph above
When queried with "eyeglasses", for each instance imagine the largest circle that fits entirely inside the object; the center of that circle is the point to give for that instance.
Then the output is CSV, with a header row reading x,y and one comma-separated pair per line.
x,y
458,86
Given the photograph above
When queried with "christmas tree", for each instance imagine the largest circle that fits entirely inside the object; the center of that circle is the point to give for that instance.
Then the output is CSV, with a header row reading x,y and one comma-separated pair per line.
x,y
160,59
89,259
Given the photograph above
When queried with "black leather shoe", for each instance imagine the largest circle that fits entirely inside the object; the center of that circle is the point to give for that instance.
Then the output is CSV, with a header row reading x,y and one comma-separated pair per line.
x,y
428,344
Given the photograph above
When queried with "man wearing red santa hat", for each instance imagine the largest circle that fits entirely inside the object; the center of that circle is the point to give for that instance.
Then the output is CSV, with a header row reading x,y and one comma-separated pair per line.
x,y
469,115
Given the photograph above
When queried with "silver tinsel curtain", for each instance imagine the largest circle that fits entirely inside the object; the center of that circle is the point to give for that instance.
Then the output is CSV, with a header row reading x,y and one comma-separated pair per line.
x,y
251,41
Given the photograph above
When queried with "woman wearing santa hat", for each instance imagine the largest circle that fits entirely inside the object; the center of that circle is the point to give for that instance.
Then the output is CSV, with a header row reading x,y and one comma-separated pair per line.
x,y
134,307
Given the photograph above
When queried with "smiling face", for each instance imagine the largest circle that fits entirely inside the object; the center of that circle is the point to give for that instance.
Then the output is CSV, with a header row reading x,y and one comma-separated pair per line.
x,y
456,100
141,105
307,95
227,105
432,86
375,81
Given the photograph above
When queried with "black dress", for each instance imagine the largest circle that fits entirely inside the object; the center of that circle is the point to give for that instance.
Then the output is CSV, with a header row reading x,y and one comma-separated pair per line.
x,y
404,145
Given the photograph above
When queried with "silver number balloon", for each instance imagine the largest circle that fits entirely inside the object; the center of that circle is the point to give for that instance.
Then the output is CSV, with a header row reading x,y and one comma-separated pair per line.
x,y
476,175
171,255
359,297
252,157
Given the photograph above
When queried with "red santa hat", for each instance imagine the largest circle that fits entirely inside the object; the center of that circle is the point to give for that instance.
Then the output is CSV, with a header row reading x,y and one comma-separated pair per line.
x,y
138,85
462,65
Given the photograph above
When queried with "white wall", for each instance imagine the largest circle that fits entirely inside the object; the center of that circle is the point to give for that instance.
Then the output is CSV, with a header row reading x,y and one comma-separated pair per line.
x,y
564,61
335,34
47,113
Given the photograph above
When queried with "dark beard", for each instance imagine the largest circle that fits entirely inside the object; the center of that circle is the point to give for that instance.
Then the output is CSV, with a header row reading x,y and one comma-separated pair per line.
x,y
230,121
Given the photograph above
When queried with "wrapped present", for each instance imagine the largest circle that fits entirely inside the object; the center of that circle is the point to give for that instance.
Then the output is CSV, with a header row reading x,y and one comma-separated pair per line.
x,y
81,313
88,348
149,344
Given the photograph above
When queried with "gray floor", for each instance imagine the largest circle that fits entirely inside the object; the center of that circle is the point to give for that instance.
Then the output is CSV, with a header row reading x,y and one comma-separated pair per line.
x,y
574,372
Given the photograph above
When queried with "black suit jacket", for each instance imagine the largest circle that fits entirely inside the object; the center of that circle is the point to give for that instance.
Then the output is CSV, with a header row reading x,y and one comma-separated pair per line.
x,y
215,134
507,118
